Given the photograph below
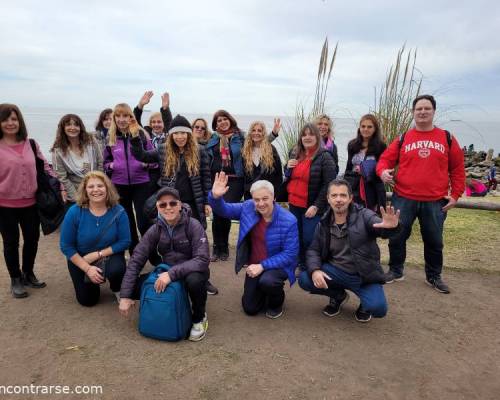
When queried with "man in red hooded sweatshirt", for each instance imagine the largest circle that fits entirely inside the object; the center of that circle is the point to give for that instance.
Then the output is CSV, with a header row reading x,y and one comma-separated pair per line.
x,y
429,180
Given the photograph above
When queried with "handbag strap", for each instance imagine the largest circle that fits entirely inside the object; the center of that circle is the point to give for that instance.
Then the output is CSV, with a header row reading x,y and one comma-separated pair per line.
x,y
37,160
106,228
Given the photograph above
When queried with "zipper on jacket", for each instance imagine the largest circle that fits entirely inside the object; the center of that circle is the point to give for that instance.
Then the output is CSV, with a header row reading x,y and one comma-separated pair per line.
x,y
125,143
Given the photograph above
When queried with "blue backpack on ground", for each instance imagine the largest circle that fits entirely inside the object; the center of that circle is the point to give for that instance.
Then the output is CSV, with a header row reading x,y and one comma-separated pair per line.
x,y
166,315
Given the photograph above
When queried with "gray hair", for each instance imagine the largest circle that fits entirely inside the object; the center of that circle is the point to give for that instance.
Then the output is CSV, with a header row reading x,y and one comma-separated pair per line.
x,y
262,184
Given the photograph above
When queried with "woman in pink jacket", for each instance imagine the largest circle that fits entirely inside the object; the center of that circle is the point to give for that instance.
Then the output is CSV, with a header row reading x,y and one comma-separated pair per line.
x,y
17,199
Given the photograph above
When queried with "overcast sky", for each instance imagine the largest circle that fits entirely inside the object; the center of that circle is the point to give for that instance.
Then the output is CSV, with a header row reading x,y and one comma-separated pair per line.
x,y
253,57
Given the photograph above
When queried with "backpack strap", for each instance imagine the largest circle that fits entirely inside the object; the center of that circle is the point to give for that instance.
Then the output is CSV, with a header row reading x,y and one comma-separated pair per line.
x,y
449,139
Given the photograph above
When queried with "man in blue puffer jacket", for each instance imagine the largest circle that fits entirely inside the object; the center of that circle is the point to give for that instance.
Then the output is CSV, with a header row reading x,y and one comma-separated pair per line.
x,y
267,247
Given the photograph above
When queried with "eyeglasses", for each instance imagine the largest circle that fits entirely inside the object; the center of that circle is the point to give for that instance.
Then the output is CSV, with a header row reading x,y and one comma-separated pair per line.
x,y
200,127
171,203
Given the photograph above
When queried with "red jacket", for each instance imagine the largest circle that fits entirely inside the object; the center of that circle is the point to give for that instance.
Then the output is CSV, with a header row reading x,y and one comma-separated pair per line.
x,y
428,169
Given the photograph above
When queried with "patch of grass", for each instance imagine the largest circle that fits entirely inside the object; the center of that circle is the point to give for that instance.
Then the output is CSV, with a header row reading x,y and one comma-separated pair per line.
x,y
471,242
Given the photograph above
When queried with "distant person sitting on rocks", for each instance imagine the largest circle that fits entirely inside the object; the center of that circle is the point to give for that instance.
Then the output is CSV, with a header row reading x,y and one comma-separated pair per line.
x,y
344,254
492,181
475,188
268,244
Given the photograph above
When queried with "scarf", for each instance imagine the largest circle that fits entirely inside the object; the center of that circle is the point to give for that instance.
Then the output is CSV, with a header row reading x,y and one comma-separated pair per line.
x,y
328,144
225,153
156,140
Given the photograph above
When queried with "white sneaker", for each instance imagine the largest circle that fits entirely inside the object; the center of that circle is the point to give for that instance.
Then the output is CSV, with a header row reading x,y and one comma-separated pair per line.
x,y
199,330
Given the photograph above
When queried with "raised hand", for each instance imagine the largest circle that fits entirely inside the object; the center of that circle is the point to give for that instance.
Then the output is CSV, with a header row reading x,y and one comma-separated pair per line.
x,y
165,100
292,163
277,126
390,218
146,97
220,187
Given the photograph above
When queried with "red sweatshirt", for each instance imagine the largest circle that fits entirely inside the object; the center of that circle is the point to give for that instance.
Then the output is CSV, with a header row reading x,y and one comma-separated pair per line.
x,y
427,165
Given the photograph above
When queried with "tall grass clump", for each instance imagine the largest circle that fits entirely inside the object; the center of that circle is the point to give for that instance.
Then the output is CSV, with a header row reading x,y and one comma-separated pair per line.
x,y
393,102
291,128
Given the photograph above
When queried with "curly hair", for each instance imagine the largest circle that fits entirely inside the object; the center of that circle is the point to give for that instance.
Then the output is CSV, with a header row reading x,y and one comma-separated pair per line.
x,y
266,155
112,197
173,156
62,142
133,127
318,119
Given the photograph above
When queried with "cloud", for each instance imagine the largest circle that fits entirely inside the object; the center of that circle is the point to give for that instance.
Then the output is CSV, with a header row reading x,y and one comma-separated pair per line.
x,y
256,57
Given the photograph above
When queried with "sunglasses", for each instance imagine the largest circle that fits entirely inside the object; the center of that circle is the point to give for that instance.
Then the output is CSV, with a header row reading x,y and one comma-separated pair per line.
x,y
200,127
171,203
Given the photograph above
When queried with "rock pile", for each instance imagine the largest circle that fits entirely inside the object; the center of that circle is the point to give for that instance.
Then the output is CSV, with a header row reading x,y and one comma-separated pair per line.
x,y
478,163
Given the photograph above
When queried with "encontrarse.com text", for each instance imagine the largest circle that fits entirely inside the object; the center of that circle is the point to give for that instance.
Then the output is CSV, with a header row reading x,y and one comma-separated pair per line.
x,y
49,389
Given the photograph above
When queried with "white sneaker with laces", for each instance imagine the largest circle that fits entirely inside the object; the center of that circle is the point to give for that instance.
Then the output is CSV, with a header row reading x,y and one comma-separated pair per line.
x,y
199,330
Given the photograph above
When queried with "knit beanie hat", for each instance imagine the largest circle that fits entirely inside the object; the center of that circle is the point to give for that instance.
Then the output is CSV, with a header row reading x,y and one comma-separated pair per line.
x,y
180,124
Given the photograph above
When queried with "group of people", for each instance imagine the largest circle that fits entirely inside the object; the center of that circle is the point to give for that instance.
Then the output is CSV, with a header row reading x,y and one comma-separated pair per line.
x,y
150,189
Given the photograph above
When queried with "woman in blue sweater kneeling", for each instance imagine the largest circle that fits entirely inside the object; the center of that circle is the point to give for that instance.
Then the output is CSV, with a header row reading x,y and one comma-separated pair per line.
x,y
94,236
268,244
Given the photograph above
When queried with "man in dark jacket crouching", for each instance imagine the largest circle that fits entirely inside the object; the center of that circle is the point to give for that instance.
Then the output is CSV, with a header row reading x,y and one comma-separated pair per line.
x,y
182,243
344,254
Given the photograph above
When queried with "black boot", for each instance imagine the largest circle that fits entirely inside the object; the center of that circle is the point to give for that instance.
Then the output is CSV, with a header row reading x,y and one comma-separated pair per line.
x,y
17,288
215,254
32,281
224,252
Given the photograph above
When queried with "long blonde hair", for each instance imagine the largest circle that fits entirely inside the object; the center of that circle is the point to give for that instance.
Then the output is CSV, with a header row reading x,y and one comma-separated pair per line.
x,y
172,156
133,127
266,150
318,119
82,198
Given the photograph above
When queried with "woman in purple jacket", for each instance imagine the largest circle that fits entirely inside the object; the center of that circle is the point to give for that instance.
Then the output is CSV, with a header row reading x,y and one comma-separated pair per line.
x,y
182,243
130,176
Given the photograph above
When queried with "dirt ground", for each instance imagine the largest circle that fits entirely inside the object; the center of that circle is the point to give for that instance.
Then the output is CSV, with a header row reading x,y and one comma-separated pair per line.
x,y
430,346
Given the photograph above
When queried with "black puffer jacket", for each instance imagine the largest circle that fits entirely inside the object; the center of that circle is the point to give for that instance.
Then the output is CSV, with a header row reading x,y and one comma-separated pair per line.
x,y
323,171
375,189
200,184
186,251
362,241
275,177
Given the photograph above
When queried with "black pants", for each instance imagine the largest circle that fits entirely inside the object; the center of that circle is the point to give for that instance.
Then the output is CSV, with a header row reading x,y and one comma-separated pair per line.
x,y
267,286
88,293
196,286
222,226
10,221
133,197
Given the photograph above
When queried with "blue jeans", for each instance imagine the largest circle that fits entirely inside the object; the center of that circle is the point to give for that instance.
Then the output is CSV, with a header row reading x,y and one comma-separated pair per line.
x,y
431,218
306,228
371,295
